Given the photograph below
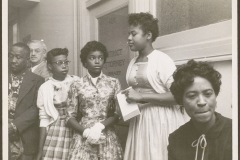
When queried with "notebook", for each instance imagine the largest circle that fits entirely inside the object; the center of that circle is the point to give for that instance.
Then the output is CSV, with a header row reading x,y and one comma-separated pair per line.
x,y
128,110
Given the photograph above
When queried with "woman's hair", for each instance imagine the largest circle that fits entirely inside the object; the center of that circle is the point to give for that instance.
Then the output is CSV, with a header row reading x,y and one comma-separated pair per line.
x,y
185,74
91,47
56,52
146,21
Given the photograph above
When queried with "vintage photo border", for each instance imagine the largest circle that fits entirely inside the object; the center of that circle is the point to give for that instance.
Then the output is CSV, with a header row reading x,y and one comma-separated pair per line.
x,y
5,78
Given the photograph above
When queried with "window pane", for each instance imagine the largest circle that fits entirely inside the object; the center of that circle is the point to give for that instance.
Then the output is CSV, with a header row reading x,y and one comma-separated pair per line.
x,y
113,33
179,15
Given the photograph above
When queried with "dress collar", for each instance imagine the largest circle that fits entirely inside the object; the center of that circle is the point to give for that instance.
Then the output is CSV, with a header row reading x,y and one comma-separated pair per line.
x,y
55,80
215,130
90,77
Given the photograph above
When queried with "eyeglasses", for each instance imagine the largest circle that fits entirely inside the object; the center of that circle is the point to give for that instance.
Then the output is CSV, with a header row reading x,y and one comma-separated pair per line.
x,y
59,63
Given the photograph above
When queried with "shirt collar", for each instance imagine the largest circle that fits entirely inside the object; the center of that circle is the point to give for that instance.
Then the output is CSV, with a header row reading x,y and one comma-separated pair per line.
x,y
89,75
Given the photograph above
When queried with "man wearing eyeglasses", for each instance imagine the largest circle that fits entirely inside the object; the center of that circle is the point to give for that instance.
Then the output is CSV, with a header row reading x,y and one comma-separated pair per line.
x,y
38,51
23,131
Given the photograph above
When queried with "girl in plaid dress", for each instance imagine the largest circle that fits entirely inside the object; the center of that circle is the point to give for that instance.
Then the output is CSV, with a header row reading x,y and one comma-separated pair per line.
x,y
55,137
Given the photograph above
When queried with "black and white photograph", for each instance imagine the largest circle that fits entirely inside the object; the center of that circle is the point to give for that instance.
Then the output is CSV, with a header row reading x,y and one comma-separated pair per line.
x,y
119,80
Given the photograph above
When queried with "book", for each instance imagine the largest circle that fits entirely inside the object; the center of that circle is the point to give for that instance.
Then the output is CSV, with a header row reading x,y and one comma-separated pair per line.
x,y
128,110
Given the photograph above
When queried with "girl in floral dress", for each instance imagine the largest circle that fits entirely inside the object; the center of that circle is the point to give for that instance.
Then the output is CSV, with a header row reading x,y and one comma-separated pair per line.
x,y
93,100
55,136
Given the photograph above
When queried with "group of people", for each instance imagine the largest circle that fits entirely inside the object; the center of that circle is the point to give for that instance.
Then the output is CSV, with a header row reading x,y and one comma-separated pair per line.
x,y
57,116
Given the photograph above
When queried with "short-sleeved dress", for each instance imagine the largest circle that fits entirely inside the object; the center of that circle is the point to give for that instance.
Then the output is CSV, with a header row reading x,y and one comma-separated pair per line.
x,y
148,133
59,136
94,103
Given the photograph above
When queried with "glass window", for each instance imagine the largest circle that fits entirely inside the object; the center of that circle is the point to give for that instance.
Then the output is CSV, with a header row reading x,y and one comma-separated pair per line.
x,y
179,15
113,33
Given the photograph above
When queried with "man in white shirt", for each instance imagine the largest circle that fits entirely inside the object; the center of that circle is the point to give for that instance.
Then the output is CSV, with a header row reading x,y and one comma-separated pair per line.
x,y
38,52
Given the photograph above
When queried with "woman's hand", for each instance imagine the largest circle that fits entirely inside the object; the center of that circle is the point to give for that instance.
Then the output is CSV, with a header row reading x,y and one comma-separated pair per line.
x,y
95,133
133,96
86,133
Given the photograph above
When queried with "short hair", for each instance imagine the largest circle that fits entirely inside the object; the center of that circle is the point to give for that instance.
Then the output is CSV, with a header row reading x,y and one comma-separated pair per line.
x,y
23,46
146,21
56,52
91,47
43,45
185,74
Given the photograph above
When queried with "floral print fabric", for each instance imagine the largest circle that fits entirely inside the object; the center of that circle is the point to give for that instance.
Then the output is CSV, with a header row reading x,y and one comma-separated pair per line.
x,y
15,143
94,103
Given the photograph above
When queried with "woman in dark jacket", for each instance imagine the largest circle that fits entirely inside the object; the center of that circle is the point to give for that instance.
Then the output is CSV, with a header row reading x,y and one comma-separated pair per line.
x,y
208,135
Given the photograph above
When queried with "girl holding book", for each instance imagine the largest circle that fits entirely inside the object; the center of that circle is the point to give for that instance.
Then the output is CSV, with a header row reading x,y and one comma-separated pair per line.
x,y
150,76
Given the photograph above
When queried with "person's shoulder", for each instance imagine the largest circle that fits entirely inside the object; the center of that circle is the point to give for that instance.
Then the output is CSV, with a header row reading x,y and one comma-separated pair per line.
x,y
74,77
113,79
227,121
76,81
44,63
182,131
181,135
34,76
160,56
158,53
46,84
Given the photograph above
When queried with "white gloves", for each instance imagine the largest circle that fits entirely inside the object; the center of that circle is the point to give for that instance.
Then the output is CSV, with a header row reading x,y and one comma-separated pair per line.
x,y
94,135
86,133
98,127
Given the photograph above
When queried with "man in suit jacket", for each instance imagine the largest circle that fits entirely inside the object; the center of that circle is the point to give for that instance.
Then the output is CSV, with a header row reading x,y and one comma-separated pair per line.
x,y
23,117
38,51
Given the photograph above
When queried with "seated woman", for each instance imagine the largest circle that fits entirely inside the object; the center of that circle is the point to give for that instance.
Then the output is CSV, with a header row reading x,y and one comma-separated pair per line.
x,y
92,100
208,135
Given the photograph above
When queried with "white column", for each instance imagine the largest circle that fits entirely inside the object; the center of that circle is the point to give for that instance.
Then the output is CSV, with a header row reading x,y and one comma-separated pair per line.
x,y
136,6
75,36
83,32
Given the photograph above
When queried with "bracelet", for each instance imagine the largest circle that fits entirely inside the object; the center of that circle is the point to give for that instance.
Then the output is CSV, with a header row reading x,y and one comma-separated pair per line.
x,y
14,127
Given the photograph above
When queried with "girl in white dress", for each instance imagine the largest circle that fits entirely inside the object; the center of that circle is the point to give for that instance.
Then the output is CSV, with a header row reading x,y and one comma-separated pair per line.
x,y
150,75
